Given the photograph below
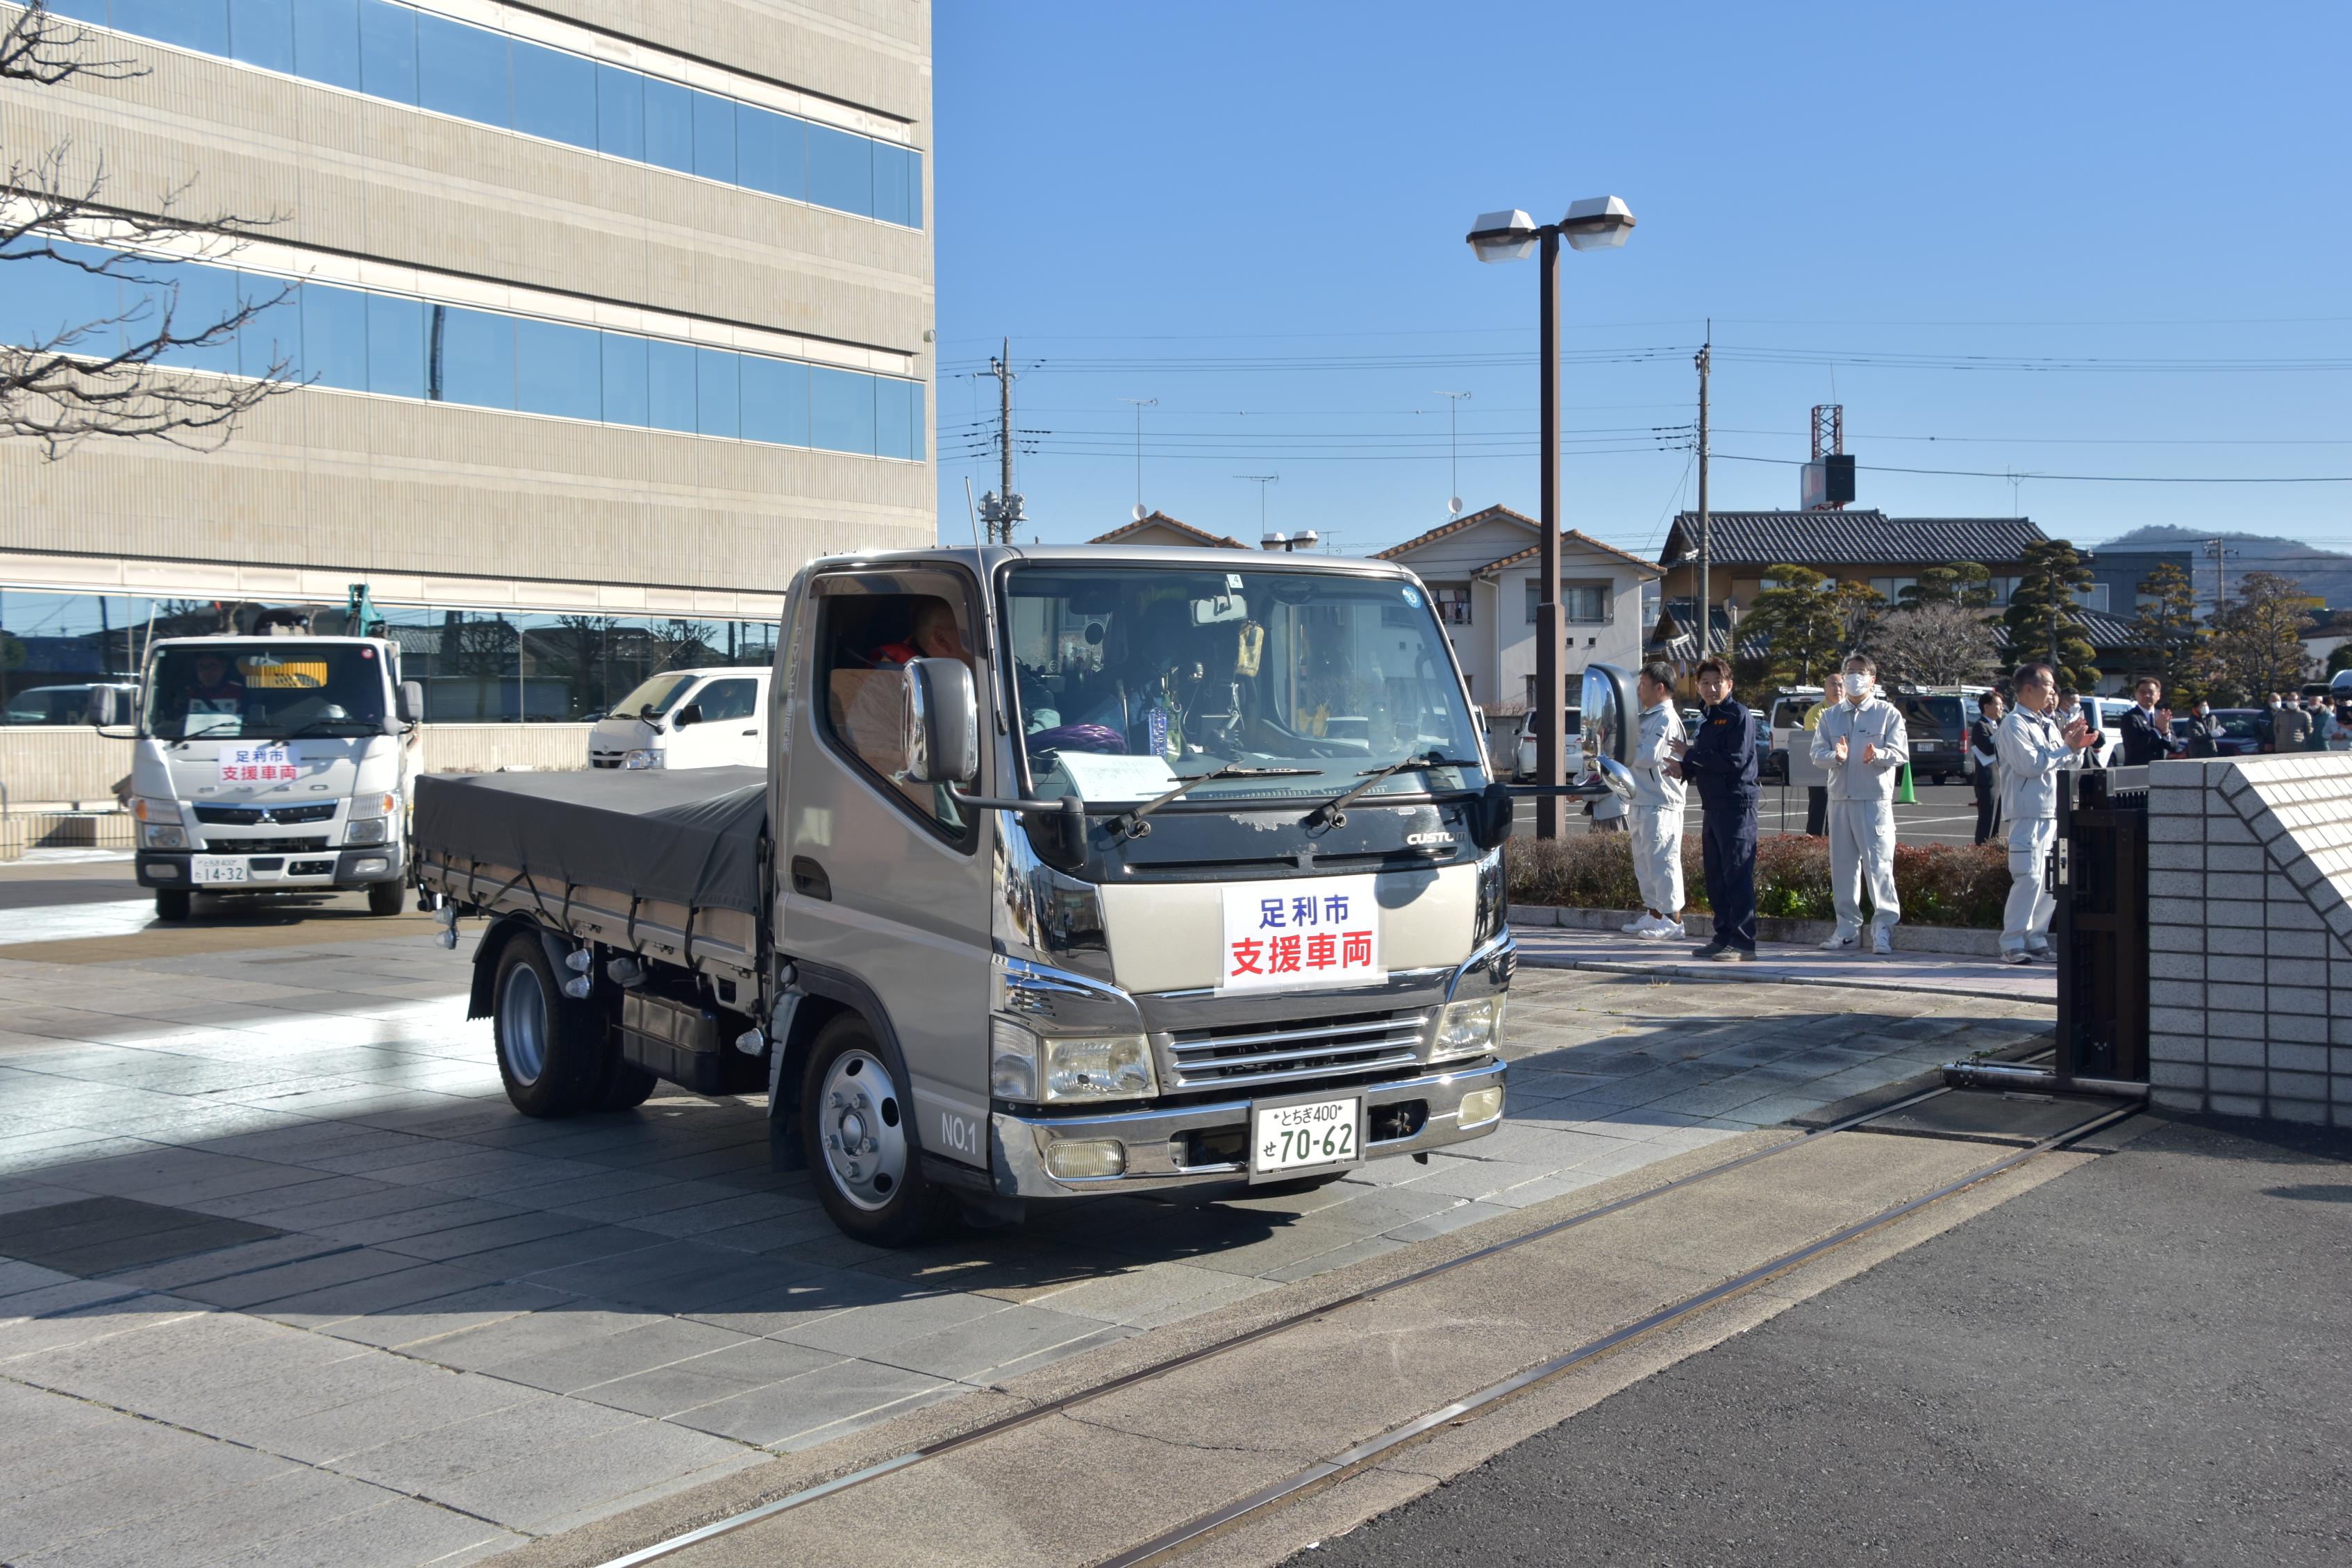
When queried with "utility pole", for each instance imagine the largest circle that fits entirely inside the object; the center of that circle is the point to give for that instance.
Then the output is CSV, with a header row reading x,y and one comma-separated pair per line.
x,y
2218,551
1706,359
1000,508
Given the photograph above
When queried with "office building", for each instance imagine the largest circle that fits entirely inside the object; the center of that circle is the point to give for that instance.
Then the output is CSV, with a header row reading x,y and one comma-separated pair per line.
x,y
607,316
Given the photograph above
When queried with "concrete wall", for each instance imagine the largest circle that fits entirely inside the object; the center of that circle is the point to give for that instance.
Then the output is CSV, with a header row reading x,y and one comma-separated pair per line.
x,y
2250,990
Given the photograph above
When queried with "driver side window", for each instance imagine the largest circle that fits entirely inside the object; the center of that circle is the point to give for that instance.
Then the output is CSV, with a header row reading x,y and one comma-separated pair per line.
x,y
864,641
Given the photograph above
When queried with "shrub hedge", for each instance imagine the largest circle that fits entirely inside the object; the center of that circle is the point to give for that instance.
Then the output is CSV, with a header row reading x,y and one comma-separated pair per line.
x,y
1939,884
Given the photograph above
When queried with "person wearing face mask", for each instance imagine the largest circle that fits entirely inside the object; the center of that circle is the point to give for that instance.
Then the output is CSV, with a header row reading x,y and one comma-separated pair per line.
x,y
2202,733
1861,741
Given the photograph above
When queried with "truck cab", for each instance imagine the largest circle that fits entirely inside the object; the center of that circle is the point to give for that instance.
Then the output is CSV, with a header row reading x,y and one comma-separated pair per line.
x,y
1072,871
271,765
688,719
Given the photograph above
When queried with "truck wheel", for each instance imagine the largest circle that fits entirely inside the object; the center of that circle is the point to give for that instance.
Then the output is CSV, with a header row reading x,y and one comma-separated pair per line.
x,y
626,1085
549,1046
385,898
854,1124
174,903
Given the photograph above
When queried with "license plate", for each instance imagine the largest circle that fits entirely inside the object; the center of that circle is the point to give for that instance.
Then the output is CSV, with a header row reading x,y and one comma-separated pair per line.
x,y
1291,1137
218,868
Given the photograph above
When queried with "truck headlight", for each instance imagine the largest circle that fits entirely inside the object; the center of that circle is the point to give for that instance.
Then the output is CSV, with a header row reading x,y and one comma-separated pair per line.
x,y
1467,1029
366,830
1058,1068
643,757
156,836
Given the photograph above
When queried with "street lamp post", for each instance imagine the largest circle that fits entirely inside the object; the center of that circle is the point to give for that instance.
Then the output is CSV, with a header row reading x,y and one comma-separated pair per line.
x,y
1597,223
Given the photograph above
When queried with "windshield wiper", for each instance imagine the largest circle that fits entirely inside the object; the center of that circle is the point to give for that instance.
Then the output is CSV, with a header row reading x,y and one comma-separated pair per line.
x,y
314,728
1132,825
1335,811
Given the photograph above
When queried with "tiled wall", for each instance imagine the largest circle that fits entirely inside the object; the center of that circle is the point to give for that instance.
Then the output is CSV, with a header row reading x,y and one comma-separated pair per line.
x,y
2250,990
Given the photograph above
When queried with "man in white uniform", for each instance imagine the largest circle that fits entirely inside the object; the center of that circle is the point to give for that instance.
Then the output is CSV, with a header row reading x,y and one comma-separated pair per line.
x,y
1861,741
2036,757
1657,805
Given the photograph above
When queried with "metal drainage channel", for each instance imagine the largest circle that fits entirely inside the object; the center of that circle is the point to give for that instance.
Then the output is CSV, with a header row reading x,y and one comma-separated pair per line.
x,y
1341,1465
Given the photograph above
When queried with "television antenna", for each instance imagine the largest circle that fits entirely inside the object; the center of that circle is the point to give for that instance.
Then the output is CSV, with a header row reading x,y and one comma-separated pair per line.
x,y
1139,404
1260,481
1453,432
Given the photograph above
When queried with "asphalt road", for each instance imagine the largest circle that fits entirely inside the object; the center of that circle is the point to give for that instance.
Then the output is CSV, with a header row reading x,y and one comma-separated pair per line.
x,y
2147,1361
1944,813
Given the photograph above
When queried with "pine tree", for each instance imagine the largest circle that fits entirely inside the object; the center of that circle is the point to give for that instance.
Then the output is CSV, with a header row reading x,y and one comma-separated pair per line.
x,y
1964,582
2170,637
2044,617
2258,638
1807,623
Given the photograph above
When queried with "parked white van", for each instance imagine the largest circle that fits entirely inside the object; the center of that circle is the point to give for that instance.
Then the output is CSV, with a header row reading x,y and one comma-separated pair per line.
x,y
688,719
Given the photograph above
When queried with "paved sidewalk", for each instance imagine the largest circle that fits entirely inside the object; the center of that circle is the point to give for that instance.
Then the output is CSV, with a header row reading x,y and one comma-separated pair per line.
x,y
1790,964
2147,1361
451,1328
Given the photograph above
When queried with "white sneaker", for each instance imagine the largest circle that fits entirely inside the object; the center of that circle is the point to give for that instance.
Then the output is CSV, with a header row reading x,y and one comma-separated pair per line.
x,y
1664,930
2015,955
1643,925
1841,939
1881,942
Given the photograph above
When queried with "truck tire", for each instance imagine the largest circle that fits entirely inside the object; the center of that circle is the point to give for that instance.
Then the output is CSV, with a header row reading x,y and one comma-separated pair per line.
x,y
857,1126
626,1085
174,903
551,1048
386,898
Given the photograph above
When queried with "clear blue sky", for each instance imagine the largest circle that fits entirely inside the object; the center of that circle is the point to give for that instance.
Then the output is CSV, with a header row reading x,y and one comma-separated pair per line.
x,y
1254,213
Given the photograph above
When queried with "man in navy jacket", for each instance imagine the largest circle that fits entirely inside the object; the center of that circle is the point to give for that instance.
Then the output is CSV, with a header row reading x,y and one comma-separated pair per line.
x,y
1722,763
2148,729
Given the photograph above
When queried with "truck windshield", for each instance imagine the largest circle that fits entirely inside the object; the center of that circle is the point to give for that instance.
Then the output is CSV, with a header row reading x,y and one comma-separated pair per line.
x,y
267,690
1130,677
652,698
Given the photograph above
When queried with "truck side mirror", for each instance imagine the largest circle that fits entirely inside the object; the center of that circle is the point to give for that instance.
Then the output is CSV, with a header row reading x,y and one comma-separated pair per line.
x,y
1491,816
942,722
689,714
1609,710
408,702
102,704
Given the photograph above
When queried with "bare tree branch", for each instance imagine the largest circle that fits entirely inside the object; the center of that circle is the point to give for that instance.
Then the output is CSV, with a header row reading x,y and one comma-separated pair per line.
x,y
45,49
112,373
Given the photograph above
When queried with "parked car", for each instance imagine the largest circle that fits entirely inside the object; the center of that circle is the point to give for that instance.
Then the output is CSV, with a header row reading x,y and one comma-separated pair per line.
x,y
64,704
688,719
1937,719
1523,754
1788,710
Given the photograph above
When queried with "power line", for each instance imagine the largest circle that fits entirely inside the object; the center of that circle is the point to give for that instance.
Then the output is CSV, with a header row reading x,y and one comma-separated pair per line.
x,y
2083,479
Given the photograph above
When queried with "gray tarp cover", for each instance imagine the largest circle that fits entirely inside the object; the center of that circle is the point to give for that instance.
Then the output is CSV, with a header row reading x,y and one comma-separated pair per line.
x,y
685,837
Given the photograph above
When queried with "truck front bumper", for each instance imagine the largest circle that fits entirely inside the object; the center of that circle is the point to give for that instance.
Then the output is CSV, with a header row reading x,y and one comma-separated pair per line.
x,y
1163,1148
300,870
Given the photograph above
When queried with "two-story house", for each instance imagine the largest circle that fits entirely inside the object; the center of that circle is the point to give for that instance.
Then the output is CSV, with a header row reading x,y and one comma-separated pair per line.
x,y
1482,571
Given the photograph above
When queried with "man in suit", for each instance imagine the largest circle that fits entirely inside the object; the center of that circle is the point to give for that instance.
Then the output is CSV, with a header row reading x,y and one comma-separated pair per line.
x,y
1984,760
2148,729
1722,760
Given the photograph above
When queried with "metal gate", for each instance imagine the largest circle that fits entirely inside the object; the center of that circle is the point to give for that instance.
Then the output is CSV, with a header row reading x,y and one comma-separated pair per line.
x,y
2099,876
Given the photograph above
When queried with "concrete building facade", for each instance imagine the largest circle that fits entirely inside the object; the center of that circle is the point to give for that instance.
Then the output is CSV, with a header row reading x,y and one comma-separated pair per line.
x,y
609,314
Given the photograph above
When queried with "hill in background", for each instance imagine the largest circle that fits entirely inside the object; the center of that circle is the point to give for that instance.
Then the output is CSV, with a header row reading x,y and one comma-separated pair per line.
x,y
2325,573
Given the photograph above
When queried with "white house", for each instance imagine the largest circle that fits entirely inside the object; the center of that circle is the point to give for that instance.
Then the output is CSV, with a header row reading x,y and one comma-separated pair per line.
x,y
1483,573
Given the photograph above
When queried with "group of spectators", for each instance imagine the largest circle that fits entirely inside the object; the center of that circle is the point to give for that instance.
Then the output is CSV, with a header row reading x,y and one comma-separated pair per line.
x,y
2019,755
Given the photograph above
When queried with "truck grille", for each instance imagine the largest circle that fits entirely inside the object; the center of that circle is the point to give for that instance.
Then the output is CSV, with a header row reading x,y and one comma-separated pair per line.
x,y
253,816
1245,1056
263,845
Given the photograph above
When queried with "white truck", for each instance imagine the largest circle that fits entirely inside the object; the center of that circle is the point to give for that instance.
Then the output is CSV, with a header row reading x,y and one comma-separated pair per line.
x,y
687,719
281,764
1182,870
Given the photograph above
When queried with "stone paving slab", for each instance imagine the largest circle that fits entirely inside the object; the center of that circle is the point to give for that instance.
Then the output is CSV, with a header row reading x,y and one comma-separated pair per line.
x,y
492,1327
1787,964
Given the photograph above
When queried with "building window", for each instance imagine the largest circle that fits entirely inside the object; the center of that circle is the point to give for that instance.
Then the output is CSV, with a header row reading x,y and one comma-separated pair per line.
x,y
477,666
1453,601
362,342
399,53
1580,603
1891,588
